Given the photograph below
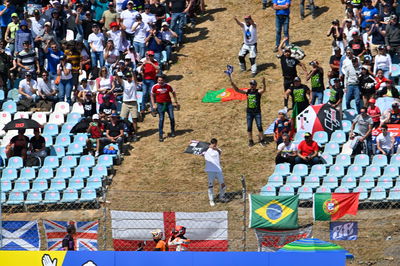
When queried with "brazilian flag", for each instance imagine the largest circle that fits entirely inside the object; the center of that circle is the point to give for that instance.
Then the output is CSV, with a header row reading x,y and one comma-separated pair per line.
x,y
274,212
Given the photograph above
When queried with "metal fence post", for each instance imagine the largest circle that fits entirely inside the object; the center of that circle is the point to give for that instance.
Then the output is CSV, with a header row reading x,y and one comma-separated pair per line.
x,y
244,229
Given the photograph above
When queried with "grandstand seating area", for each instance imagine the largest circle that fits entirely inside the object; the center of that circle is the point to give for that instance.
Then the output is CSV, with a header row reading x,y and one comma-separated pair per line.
x,y
66,177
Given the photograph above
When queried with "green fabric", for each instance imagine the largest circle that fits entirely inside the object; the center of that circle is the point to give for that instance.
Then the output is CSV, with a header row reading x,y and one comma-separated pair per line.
x,y
274,212
311,244
211,96
318,206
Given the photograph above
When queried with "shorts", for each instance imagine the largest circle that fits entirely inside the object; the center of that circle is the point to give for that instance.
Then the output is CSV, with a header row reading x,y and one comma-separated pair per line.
x,y
215,175
248,48
129,107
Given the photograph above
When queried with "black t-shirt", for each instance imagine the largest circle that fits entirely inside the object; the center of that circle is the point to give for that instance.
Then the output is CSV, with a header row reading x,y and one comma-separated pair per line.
x,y
89,108
37,143
114,130
253,101
288,65
107,108
178,6
20,143
336,94
158,11
357,46
335,60
87,28
299,93
68,242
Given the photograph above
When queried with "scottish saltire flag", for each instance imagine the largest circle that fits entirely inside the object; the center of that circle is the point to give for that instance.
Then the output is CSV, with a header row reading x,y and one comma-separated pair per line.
x,y
19,235
85,237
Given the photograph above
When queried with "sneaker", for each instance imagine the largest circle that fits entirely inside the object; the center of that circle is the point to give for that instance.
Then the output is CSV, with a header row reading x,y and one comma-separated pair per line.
x,y
96,154
263,143
251,143
172,135
254,74
212,204
275,49
161,139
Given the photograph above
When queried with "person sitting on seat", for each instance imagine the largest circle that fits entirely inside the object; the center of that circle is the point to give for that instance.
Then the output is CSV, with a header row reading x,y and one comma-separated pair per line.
x,y
18,145
95,131
286,151
37,147
307,151
385,142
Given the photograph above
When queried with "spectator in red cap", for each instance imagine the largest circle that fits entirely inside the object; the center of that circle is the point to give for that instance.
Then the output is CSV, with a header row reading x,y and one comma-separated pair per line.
x,y
374,112
117,36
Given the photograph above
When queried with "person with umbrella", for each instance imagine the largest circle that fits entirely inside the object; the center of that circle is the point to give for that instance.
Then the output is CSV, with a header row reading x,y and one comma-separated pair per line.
x,y
18,145
37,146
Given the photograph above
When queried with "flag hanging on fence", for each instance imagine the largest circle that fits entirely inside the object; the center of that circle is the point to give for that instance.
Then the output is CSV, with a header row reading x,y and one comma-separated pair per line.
x,y
223,95
273,212
85,237
207,231
20,235
332,206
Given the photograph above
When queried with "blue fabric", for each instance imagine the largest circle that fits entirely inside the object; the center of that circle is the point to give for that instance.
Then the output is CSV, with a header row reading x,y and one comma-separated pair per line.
x,y
20,37
285,12
5,19
153,45
367,13
53,59
161,109
99,9
281,22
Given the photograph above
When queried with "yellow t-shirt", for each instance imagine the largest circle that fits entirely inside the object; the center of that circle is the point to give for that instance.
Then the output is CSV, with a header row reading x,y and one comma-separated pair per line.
x,y
161,245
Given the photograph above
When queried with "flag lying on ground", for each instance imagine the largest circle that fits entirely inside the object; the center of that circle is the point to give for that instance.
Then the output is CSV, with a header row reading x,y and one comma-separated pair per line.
x,y
85,237
273,212
207,231
332,206
19,235
223,95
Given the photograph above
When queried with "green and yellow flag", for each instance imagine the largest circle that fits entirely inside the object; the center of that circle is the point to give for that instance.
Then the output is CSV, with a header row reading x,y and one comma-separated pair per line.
x,y
273,212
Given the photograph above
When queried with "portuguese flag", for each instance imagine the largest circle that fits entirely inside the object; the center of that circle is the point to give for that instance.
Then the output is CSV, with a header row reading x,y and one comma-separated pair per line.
x,y
332,206
223,95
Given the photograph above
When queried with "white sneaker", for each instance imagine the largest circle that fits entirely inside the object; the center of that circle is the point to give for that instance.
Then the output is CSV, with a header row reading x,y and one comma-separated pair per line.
x,y
212,204
96,154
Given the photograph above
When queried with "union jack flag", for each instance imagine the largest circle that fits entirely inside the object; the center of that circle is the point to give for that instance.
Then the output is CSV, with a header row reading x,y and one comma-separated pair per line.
x,y
85,237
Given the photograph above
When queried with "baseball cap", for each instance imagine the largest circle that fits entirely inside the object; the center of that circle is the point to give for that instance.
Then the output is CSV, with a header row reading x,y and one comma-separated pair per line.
x,y
393,17
130,2
95,116
62,57
131,47
355,33
23,23
372,101
95,25
164,24
110,4
296,79
48,23
336,49
128,74
54,3
113,24
120,74
14,15
381,47
28,74
150,52
36,11
121,62
138,16
253,82
307,134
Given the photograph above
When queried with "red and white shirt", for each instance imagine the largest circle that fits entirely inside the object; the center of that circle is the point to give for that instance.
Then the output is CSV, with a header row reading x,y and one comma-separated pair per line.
x,y
161,92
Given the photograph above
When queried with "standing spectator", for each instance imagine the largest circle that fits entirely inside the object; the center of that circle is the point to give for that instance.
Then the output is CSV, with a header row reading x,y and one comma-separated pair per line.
x,y
300,95
311,6
140,30
367,85
214,171
282,126
361,129
159,11
111,55
154,43
87,25
46,88
27,88
5,16
166,36
149,69
334,63
5,65
357,45
28,61
161,101
253,111
109,16
287,151
383,61
147,16
68,243
266,3
289,70
367,14
46,37
128,17
12,28
307,151
377,32
58,25
317,82
65,86
385,142
96,42
23,35
392,35
117,36
249,45
129,101
178,9
337,33
37,26
103,86
282,12
73,55
53,55
99,7
351,83
336,95
374,112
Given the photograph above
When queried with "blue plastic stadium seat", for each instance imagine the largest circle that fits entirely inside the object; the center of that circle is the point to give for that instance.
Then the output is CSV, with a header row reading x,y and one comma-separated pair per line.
x,y
343,160
82,172
321,137
107,160
282,169
33,197
15,198
377,194
367,182
299,136
361,160
13,94
265,191
63,140
51,162
318,170
6,185
346,125
332,148
342,190
336,171
355,171
80,138
9,174
87,160
22,185
51,196
58,151
58,184
338,136
69,195
94,182
50,129
293,181
391,171
45,173
395,160
349,114
330,182
305,193
323,189
363,192
87,195
39,184
63,172
66,128
385,182
286,191
27,173
15,162
300,169
327,158
10,106
99,171
49,140
3,198
379,160
69,161
73,118
373,171
275,180
76,183
394,194
349,182
311,181
75,149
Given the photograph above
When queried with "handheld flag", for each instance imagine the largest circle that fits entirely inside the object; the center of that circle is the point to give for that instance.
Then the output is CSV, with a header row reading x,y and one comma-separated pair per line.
x,y
223,95
332,206
229,70
274,212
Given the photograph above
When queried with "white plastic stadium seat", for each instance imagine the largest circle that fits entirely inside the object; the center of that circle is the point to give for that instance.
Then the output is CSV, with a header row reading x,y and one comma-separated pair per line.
x,y
78,108
56,118
19,115
40,117
61,107
5,117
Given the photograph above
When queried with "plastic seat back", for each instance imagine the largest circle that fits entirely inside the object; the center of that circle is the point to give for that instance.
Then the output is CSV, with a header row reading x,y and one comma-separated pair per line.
x,y
58,151
75,149
69,161
363,193
82,172
15,198
385,182
275,180
349,182
379,160
51,162
323,189
321,137
62,108
394,194
293,181
99,171
346,125
87,160
327,158
391,171
56,118
355,171
268,191
336,170
39,185
286,191
63,172
20,115
343,160
10,106
70,195
300,170
318,170
361,160
342,190
73,118
305,193
63,140
94,182
27,173
367,182
21,185
107,160
66,128
88,194
58,184
50,129
372,171
9,174
15,162
338,136
34,197
45,173
40,117
311,181
377,194
51,196
330,182
76,183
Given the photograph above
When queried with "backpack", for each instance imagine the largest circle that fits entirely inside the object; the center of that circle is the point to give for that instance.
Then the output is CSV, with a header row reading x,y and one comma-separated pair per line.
x,y
297,52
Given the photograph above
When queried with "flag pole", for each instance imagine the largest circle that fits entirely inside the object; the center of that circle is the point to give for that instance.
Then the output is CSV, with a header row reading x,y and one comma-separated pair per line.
x,y
244,192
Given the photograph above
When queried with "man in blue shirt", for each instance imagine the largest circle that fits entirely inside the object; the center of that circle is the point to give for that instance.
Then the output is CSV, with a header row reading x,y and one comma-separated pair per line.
x,y
282,12
5,16
367,14
53,58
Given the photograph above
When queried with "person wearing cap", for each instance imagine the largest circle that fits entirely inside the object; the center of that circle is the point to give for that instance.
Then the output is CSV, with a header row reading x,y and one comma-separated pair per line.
x,y
367,14
289,68
367,85
336,31
166,36
352,83
383,61
23,35
6,9
46,89
374,112
147,16
336,94
95,131
128,17
87,23
162,102
129,63
58,24
178,10
114,133
385,142
282,125
253,111
11,29
96,43
140,30
392,115
117,36
392,35
129,102
357,45
334,63
154,43
349,26
317,82
301,96
307,151
68,242
249,45
109,16
150,69
287,151
282,13
361,129
27,60
27,88
107,108
377,33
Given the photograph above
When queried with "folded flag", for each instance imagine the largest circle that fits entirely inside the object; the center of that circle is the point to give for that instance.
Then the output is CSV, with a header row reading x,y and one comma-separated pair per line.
x,y
223,95
274,212
229,70
19,235
332,206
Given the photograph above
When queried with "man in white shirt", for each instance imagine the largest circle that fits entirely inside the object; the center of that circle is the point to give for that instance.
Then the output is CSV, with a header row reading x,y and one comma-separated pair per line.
x,y
148,17
139,41
128,17
46,88
96,42
27,88
214,171
385,142
129,100
287,151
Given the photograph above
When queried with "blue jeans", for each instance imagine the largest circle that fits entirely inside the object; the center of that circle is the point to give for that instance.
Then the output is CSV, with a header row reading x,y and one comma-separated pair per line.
x,y
177,23
140,48
281,21
167,53
353,92
64,90
312,7
146,88
97,56
161,109
315,95
254,116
